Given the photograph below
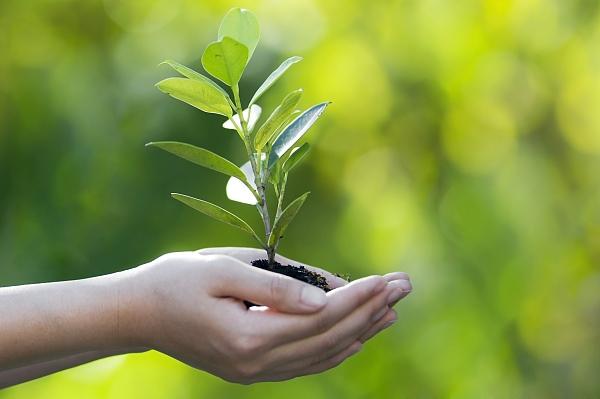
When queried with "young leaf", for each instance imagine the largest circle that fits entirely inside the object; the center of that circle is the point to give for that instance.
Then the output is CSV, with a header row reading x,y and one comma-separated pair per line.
x,y
238,191
294,131
196,93
296,155
240,24
251,115
285,218
201,157
287,121
275,176
216,212
274,76
276,119
190,73
290,118
225,60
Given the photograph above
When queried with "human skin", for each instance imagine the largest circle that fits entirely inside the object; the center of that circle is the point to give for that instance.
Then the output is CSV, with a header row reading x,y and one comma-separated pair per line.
x,y
189,305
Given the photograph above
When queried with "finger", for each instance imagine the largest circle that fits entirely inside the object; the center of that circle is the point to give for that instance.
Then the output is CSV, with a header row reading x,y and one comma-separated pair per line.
x,y
303,364
403,288
320,360
365,321
341,302
239,280
396,276
330,363
247,255
386,321
320,347
400,292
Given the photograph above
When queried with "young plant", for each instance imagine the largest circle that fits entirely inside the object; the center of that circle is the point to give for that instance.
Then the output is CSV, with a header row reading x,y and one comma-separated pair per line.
x,y
272,148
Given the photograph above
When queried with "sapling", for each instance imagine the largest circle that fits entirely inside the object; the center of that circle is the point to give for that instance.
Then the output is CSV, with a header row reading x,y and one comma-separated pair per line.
x,y
271,146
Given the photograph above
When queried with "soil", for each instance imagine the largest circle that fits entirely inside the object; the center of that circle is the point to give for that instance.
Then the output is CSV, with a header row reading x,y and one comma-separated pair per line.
x,y
298,272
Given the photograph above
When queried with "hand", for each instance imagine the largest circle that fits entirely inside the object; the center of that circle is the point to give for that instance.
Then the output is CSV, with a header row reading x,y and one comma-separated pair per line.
x,y
189,305
247,255
398,282
192,310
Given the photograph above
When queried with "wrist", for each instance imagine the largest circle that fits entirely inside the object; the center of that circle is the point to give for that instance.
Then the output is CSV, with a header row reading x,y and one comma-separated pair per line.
x,y
131,310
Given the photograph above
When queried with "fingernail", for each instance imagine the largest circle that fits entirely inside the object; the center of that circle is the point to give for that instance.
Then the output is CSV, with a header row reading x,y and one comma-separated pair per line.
x,y
356,348
313,297
388,324
380,314
405,285
396,276
396,295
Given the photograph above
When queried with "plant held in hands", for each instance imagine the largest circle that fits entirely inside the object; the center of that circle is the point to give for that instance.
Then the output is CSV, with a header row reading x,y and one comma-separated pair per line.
x,y
272,147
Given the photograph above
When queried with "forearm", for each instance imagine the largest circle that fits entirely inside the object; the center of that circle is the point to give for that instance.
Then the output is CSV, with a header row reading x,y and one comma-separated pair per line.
x,y
45,322
30,372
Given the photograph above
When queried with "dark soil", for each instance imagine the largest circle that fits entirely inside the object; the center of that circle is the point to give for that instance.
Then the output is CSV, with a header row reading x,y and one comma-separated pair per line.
x,y
298,272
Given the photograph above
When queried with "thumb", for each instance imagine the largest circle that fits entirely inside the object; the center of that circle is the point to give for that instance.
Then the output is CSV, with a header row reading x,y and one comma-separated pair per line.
x,y
274,290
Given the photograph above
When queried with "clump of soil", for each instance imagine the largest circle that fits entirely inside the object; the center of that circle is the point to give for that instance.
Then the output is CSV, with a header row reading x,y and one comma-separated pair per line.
x,y
298,272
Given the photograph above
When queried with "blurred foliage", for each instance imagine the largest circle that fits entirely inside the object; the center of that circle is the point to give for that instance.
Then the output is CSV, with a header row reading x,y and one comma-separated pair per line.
x,y
466,134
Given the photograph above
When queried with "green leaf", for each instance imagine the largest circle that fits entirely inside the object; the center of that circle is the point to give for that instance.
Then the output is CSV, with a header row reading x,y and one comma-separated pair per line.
x,y
225,60
290,118
275,176
295,157
190,73
216,212
240,24
282,222
277,119
294,131
196,93
274,76
202,157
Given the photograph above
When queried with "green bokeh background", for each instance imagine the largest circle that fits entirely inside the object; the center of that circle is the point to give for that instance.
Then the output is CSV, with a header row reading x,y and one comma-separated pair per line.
x,y
462,146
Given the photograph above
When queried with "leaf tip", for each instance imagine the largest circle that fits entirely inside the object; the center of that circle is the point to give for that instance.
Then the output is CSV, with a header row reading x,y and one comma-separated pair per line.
x,y
323,105
165,85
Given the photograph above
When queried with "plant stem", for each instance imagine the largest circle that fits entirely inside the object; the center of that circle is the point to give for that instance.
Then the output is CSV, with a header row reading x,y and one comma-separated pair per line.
x,y
241,134
260,174
280,197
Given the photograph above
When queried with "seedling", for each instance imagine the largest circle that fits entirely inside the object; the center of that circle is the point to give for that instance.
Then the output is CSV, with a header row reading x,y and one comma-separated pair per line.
x,y
272,146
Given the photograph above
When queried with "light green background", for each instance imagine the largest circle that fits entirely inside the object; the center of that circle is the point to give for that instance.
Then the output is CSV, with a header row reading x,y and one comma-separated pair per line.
x,y
462,146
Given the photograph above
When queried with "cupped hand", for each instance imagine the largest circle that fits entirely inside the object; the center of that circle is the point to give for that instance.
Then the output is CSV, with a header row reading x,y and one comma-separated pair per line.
x,y
191,308
398,282
248,255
